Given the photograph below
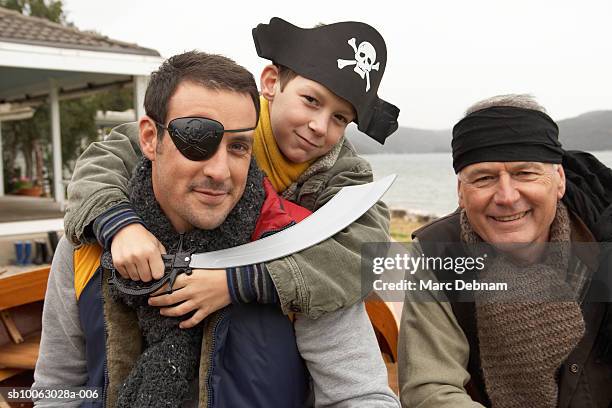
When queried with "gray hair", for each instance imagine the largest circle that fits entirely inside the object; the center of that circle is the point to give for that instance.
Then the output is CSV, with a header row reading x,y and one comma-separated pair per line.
x,y
524,101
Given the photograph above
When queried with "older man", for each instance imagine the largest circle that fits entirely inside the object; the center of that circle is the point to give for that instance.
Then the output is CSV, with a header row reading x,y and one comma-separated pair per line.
x,y
540,344
199,188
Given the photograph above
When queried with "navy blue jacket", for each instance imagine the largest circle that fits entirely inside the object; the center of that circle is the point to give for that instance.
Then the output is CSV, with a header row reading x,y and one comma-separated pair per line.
x,y
253,359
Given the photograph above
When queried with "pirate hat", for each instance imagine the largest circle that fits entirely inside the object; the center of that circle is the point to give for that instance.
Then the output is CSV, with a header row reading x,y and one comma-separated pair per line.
x,y
348,58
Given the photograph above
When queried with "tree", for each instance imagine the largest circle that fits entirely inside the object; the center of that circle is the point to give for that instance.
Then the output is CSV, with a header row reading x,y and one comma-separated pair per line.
x,y
78,120
51,10
25,136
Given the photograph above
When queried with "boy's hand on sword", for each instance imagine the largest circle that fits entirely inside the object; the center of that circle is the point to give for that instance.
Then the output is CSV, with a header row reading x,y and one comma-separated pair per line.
x,y
137,254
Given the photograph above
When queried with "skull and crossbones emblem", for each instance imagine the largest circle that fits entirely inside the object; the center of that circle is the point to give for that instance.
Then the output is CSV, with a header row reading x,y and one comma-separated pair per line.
x,y
365,56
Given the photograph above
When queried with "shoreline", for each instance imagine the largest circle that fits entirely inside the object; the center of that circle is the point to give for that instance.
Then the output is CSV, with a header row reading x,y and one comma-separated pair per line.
x,y
412,215
404,222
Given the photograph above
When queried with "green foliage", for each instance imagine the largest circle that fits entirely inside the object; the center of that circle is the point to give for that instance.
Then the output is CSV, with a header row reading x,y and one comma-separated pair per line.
x,y
51,10
116,100
77,128
78,120
22,183
21,136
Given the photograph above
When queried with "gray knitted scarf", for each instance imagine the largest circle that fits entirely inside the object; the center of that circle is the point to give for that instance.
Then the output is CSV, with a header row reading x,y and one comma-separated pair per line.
x,y
526,333
169,363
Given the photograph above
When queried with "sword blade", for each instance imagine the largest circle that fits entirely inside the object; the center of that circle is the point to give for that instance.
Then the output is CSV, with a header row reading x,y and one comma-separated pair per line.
x,y
343,209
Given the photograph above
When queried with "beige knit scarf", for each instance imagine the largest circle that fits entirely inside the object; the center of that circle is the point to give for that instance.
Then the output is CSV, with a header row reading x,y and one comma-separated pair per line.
x,y
526,333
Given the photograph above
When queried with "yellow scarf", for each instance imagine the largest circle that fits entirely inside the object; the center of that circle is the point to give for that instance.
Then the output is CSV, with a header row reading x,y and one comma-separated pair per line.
x,y
281,172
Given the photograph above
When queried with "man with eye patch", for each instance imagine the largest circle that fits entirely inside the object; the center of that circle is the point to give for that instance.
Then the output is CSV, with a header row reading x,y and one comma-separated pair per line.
x,y
198,187
307,101
547,340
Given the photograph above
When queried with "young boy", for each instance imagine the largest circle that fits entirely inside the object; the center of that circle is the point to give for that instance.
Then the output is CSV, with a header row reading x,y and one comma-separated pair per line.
x,y
322,79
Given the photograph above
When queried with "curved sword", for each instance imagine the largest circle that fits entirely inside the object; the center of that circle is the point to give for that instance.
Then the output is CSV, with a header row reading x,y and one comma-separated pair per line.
x,y
343,209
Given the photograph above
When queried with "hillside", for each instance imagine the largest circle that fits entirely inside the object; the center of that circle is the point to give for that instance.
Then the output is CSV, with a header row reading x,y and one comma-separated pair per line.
x,y
590,131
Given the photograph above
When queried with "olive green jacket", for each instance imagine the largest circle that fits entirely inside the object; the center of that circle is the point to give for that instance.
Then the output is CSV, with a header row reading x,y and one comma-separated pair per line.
x,y
315,281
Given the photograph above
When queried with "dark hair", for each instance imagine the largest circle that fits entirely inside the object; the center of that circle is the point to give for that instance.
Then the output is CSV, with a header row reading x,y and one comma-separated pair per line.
x,y
209,70
285,75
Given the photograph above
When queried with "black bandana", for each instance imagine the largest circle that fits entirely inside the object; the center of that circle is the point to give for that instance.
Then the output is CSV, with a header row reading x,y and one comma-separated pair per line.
x,y
348,58
505,134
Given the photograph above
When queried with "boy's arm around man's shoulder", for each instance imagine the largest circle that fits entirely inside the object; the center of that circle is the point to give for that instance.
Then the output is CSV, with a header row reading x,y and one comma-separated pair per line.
x,y
327,277
61,361
100,180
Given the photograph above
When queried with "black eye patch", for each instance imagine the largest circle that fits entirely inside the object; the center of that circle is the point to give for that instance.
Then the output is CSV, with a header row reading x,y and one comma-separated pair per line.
x,y
198,138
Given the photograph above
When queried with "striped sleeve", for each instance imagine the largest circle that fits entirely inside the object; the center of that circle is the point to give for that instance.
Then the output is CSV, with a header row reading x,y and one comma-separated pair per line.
x,y
251,283
111,221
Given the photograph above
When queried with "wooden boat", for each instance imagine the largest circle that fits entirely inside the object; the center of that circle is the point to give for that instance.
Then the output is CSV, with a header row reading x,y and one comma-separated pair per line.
x,y
22,291
385,318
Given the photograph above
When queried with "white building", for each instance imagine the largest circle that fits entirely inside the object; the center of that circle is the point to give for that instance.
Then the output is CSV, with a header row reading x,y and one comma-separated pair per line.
x,y
42,61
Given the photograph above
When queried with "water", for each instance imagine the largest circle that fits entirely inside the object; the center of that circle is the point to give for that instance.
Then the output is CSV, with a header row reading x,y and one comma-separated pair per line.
x,y
426,182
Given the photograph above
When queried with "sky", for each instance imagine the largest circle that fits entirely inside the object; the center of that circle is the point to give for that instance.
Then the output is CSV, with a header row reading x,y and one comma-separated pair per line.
x,y
442,55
